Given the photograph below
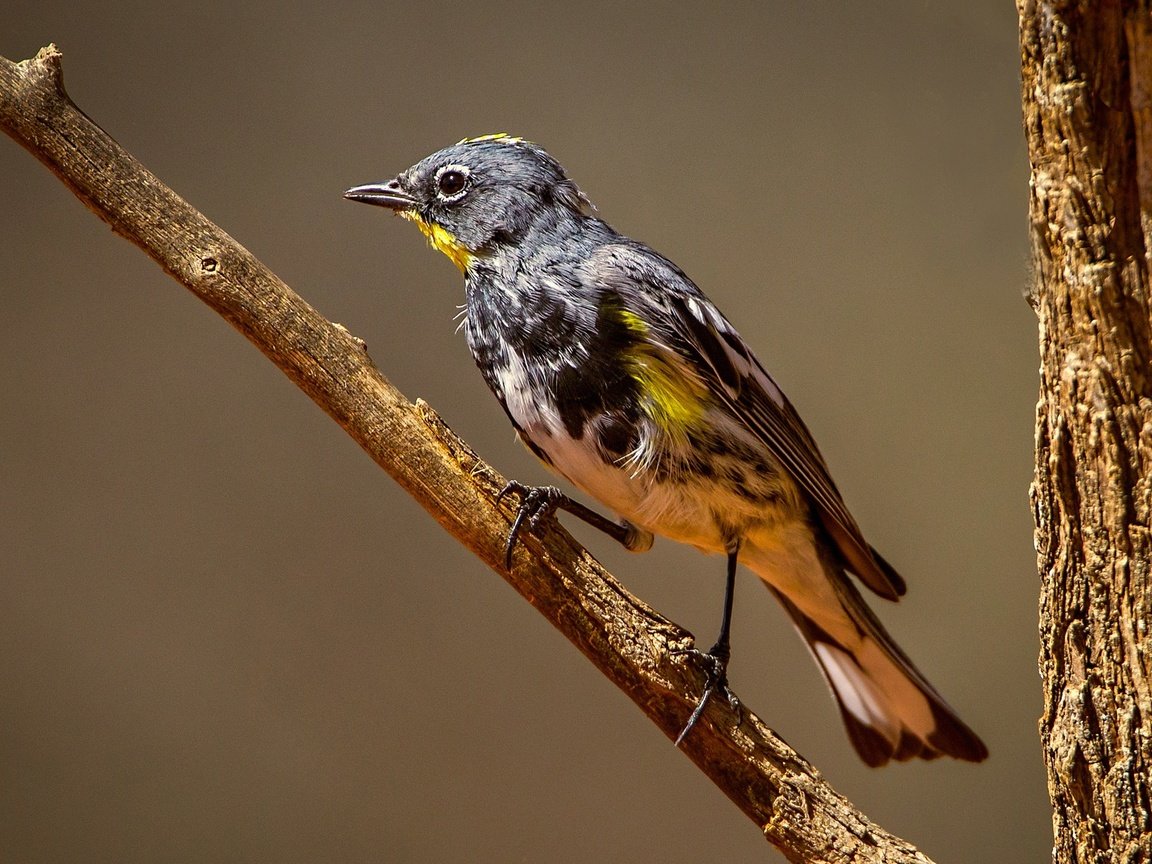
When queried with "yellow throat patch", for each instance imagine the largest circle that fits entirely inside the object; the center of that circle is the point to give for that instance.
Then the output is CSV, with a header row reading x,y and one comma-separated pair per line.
x,y
439,238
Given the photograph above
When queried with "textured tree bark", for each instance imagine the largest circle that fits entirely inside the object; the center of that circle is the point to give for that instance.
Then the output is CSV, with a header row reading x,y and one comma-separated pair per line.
x,y
1087,74
784,795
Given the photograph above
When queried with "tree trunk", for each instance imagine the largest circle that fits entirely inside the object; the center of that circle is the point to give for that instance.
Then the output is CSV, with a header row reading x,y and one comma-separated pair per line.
x,y
1088,123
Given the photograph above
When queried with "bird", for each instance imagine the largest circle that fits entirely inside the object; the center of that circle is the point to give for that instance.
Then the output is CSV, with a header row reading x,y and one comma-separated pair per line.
x,y
622,377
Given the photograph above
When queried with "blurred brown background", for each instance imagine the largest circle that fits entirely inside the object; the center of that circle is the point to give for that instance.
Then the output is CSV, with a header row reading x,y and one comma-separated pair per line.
x,y
226,636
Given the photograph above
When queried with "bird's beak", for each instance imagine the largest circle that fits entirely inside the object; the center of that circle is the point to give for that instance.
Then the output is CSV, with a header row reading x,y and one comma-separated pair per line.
x,y
390,194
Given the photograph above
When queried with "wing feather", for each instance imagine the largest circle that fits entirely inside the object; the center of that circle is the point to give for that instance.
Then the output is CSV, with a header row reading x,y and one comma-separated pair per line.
x,y
706,339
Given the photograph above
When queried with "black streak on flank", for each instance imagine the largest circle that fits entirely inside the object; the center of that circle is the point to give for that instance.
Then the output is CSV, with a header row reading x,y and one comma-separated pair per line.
x,y
598,382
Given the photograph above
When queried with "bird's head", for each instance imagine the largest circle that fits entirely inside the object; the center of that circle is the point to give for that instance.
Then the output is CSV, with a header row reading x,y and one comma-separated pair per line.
x,y
483,193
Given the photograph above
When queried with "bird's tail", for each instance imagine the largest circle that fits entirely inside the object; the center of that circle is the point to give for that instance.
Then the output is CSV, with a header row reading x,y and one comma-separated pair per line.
x,y
889,708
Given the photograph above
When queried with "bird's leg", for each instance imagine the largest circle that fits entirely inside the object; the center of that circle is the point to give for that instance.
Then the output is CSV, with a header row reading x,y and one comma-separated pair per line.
x,y
718,654
539,502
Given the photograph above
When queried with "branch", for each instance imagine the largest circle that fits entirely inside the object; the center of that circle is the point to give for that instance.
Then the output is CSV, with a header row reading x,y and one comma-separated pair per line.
x,y
632,645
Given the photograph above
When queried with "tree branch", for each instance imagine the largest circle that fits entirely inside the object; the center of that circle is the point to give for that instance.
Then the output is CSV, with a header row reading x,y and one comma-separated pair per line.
x,y
775,787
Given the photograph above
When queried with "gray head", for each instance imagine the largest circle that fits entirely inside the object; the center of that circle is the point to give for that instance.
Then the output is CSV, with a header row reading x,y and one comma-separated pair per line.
x,y
481,193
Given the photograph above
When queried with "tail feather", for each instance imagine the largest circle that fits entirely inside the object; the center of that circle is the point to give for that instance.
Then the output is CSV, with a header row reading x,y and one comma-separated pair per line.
x,y
890,710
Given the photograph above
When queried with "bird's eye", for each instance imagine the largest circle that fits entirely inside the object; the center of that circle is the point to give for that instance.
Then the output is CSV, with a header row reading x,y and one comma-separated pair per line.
x,y
451,182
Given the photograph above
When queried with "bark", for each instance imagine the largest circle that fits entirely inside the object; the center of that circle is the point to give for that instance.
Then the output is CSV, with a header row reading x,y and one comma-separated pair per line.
x,y
775,787
1087,70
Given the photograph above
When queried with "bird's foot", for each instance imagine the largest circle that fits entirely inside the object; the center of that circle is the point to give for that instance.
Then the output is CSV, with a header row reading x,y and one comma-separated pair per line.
x,y
539,502
716,670
536,503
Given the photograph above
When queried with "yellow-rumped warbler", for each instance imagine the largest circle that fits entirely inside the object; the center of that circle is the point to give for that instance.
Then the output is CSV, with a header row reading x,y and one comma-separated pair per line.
x,y
624,378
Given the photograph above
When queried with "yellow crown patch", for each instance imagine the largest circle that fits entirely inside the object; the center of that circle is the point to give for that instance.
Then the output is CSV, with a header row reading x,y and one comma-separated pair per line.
x,y
502,137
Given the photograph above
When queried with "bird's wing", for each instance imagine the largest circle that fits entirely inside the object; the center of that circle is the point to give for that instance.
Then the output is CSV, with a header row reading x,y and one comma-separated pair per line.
x,y
693,327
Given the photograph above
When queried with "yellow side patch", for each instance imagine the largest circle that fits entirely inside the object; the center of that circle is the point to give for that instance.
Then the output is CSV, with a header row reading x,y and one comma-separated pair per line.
x,y
441,239
672,395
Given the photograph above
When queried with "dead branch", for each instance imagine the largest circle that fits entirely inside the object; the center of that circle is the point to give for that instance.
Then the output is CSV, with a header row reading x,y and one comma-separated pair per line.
x,y
775,787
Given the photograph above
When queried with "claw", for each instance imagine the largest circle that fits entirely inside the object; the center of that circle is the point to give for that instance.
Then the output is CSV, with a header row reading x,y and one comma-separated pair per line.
x,y
536,503
511,487
716,660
